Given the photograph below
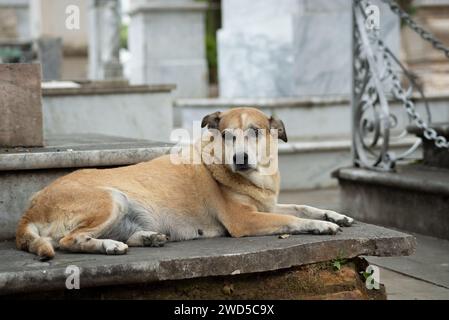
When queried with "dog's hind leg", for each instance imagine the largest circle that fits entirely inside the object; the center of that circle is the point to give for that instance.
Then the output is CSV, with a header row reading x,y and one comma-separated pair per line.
x,y
147,239
101,213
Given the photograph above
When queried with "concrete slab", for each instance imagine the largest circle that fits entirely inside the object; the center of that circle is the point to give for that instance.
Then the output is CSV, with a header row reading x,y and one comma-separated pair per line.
x,y
22,272
429,263
402,287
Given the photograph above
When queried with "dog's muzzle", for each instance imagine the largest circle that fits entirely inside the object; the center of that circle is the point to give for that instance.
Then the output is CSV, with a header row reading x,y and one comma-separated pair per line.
x,y
241,162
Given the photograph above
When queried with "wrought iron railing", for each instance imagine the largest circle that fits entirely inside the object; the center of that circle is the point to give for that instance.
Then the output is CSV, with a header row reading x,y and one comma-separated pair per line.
x,y
379,79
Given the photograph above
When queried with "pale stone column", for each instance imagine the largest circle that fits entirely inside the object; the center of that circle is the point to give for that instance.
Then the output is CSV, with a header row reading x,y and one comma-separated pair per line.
x,y
167,44
104,40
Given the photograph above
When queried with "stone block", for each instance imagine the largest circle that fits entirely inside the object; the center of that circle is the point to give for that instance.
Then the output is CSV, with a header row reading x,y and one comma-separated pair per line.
x,y
297,48
322,54
255,65
20,105
257,13
166,40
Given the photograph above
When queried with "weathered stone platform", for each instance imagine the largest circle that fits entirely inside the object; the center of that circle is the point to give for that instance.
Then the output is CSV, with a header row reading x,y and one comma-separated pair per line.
x,y
22,272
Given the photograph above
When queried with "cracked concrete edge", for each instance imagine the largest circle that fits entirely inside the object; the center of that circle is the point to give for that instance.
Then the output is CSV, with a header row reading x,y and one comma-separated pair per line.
x,y
186,268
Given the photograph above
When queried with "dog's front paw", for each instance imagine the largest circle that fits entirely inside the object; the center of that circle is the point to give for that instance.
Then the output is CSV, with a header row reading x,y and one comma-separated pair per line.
x,y
114,247
323,227
338,218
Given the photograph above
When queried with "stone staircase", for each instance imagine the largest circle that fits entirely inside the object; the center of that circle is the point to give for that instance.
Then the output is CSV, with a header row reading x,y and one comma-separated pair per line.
x,y
415,197
294,267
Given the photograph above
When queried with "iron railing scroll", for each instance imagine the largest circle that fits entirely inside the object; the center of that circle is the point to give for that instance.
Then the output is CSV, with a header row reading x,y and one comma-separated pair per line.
x,y
378,79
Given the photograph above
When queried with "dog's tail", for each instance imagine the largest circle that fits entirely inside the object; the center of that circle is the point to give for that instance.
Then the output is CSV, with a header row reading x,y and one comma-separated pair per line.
x,y
28,239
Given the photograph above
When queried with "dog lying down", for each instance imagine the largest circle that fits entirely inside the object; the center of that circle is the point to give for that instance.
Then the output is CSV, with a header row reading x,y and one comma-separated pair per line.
x,y
147,204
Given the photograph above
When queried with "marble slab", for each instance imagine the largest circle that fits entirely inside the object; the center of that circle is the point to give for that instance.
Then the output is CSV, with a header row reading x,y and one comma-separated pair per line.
x,y
272,49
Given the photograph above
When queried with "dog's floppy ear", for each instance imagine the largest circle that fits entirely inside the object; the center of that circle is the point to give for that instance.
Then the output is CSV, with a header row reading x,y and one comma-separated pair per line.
x,y
211,120
277,124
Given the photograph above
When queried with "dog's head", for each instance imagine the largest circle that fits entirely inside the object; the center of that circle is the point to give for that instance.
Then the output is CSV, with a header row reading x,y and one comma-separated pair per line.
x,y
248,139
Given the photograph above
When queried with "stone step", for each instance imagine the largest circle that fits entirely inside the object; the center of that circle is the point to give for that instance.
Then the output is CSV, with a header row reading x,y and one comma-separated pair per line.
x,y
21,272
304,118
24,171
414,198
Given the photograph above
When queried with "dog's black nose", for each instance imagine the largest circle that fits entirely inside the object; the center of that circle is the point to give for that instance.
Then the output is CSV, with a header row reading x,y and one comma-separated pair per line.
x,y
241,162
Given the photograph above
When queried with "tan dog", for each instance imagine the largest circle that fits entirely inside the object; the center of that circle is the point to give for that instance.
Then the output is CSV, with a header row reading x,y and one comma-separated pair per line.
x,y
107,210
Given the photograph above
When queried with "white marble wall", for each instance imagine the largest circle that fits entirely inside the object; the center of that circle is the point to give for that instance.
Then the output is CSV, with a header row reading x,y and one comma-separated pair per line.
x,y
167,44
289,48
